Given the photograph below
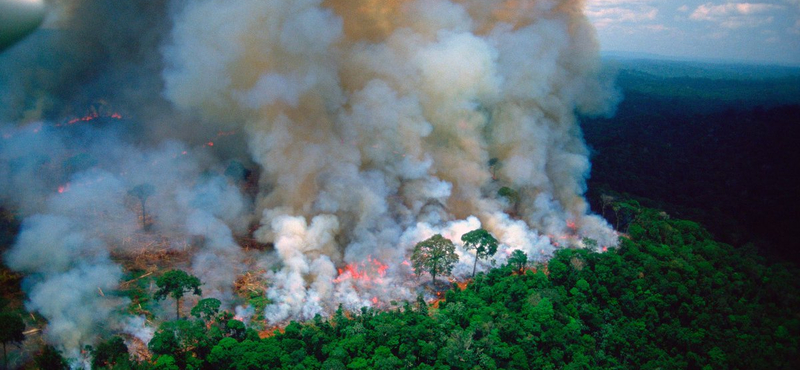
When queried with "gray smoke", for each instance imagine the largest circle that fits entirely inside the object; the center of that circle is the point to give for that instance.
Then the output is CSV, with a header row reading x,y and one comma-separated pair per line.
x,y
83,215
372,125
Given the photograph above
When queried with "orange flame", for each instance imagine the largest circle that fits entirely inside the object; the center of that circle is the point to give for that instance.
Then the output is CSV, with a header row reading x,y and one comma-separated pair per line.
x,y
91,117
366,271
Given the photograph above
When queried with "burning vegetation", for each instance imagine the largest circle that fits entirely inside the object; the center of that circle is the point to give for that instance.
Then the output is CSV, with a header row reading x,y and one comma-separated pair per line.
x,y
292,155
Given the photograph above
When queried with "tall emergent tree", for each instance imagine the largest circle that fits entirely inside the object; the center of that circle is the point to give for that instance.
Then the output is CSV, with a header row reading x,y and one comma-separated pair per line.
x,y
519,259
11,328
176,283
436,255
142,192
484,244
494,163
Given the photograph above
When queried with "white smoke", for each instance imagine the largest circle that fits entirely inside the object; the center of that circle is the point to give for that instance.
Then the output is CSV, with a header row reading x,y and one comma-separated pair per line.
x,y
67,238
136,326
371,128
374,127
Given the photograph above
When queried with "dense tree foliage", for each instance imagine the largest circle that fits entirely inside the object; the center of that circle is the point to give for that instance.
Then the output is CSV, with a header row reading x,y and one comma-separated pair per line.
x,y
176,283
518,259
437,255
11,328
112,353
206,309
669,297
142,192
714,150
484,244
50,359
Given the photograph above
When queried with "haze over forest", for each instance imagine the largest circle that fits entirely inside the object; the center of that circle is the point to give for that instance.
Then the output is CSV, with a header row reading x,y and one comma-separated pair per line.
x,y
388,184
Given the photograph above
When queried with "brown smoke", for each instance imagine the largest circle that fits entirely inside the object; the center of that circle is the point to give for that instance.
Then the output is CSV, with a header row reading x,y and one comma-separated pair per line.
x,y
373,125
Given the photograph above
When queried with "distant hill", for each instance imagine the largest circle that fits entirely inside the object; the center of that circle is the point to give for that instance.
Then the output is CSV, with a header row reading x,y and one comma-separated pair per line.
x,y
637,60
708,143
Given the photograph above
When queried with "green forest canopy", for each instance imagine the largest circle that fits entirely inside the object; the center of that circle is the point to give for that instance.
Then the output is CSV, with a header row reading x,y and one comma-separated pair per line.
x,y
669,297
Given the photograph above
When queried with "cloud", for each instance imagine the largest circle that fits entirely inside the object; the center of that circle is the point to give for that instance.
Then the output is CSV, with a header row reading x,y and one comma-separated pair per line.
x,y
710,12
602,3
605,13
624,15
736,15
656,27
795,29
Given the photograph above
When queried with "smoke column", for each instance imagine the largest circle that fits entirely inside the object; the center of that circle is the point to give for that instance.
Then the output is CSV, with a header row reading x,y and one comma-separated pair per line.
x,y
373,125
374,122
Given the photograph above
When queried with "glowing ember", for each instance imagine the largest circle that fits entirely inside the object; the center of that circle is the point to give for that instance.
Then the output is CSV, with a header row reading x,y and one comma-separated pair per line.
x,y
271,332
366,271
352,270
564,239
67,186
83,119
91,117
380,267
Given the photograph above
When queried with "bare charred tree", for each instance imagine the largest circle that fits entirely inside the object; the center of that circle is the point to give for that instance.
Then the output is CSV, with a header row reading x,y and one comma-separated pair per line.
x,y
494,163
616,207
606,201
142,192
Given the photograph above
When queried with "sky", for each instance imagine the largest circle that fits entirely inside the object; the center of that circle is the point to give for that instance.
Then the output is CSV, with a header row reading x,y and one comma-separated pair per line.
x,y
761,31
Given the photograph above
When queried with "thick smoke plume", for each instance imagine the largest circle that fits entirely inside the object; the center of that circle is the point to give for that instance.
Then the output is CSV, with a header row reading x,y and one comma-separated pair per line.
x,y
372,125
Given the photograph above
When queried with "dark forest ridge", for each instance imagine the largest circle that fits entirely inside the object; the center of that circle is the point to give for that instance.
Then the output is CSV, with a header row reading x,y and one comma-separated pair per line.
x,y
709,142
718,86
613,55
